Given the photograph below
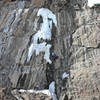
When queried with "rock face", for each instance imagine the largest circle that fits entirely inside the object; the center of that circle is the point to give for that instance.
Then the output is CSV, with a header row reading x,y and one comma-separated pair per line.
x,y
75,41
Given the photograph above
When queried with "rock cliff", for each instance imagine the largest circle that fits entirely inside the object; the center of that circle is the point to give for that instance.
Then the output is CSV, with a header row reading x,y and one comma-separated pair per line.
x,y
75,42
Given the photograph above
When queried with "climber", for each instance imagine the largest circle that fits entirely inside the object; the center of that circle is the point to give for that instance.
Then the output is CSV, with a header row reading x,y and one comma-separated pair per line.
x,y
54,56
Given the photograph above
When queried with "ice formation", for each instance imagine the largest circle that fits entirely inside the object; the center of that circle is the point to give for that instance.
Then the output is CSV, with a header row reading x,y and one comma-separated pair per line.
x,y
52,90
52,87
44,33
65,75
91,3
46,13
42,47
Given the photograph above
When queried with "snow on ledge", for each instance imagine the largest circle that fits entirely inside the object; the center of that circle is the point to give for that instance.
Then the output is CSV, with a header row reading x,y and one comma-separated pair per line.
x,y
50,92
91,3
47,92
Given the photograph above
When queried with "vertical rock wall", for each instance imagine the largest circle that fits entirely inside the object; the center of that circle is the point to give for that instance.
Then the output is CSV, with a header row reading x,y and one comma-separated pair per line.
x,y
75,41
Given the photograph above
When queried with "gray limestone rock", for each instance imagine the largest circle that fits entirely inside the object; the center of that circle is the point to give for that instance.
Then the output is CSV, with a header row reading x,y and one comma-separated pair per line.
x,y
75,41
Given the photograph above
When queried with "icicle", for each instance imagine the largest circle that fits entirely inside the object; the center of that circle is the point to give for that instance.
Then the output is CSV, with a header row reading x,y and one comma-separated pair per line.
x,y
52,87
52,90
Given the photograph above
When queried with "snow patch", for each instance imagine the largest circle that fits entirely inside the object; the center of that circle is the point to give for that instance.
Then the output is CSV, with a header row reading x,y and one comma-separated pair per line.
x,y
21,90
26,10
65,75
91,3
19,12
